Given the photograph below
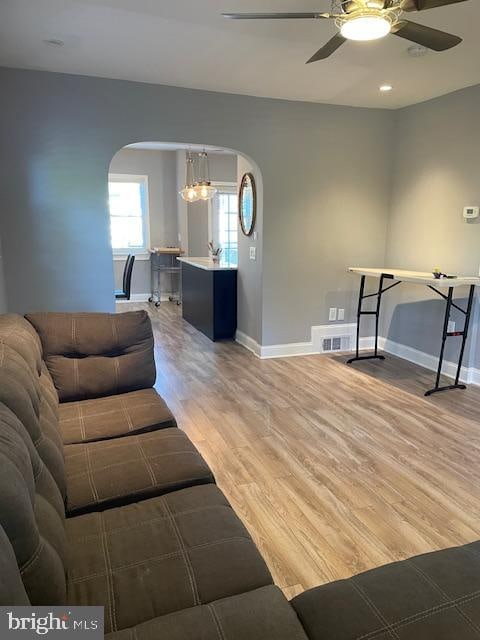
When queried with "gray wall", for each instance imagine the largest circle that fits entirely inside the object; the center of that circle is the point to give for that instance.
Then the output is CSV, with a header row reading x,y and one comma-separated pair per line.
x,y
250,272
326,175
161,169
326,203
436,174
223,168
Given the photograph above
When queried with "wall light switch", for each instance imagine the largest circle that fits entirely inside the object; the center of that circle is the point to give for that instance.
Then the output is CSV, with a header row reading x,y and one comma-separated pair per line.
x,y
332,316
341,314
253,253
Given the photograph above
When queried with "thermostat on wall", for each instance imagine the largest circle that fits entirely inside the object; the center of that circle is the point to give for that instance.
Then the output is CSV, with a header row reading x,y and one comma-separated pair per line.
x,y
469,213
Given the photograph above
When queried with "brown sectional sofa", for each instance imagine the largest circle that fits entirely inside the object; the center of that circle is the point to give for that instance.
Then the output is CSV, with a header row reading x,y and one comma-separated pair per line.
x,y
104,501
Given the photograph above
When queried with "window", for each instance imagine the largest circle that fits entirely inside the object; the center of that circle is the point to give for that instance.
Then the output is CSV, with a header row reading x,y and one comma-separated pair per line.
x,y
224,221
128,202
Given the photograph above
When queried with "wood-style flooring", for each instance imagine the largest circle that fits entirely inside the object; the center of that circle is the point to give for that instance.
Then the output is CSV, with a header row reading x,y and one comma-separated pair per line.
x,y
334,469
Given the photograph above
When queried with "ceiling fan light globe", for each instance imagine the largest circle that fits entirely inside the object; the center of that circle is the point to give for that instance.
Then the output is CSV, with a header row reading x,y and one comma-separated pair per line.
x,y
366,28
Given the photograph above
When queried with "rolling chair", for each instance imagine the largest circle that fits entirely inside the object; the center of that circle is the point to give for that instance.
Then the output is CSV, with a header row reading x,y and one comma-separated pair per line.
x,y
124,293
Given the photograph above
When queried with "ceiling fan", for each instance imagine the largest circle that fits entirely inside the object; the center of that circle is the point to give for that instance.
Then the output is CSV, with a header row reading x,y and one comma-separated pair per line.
x,y
370,20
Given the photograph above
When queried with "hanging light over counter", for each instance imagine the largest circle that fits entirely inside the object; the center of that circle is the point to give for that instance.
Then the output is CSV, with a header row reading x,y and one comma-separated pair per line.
x,y
189,193
199,186
204,188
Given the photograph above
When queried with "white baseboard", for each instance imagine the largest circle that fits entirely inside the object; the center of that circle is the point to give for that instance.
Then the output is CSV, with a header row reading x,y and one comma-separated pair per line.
x,y
287,350
275,350
248,342
469,375
142,297
292,349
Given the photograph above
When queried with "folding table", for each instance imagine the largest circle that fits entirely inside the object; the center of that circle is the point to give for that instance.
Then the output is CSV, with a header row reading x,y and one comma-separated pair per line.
x,y
444,287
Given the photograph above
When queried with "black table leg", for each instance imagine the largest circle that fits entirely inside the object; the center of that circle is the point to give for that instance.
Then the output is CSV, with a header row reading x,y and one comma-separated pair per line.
x,y
361,313
457,385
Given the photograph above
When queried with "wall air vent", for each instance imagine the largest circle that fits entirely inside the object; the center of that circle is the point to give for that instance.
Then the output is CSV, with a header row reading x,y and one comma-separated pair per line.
x,y
333,337
337,343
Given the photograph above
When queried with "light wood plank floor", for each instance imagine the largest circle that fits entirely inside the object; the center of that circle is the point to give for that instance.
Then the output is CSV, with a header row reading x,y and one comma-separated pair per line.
x,y
333,469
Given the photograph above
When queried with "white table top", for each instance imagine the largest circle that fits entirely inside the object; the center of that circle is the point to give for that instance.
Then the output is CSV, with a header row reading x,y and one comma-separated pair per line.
x,y
208,264
418,277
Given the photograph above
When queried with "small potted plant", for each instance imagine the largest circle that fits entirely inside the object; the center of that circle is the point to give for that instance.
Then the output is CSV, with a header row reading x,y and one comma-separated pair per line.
x,y
215,252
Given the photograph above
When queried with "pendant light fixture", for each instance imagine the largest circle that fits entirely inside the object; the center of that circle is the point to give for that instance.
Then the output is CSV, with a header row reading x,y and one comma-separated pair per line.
x,y
189,192
203,186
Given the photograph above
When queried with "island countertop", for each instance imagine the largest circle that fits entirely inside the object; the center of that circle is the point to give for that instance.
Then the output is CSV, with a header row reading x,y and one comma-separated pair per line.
x,y
207,264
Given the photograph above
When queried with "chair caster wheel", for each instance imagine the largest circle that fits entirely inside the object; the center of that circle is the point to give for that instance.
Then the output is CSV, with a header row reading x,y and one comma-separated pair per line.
x,y
170,298
157,304
150,299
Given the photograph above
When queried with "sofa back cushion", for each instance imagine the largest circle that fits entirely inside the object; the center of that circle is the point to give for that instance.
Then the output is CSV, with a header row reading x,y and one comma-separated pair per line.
x,y
31,514
90,355
19,335
12,591
21,391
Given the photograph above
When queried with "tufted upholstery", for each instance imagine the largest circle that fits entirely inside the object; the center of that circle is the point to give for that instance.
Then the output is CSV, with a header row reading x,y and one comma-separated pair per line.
x,y
114,417
104,474
158,556
93,355
19,334
263,614
155,557
12,591
31,513
435,596
23,392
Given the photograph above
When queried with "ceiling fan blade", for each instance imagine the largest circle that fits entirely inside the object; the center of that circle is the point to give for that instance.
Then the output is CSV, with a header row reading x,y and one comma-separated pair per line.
x,y
422,5
425,36
275,16
329,48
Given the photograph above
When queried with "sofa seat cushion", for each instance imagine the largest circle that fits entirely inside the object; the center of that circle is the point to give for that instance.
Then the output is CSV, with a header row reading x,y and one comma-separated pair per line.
x,y
263,614
161,555
114,417
115,472
433,596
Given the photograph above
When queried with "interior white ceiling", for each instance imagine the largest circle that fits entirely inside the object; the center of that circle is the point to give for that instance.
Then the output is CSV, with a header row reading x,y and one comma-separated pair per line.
x,y
187,43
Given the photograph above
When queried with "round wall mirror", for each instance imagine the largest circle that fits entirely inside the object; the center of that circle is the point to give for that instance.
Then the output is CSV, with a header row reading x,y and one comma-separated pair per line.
x,y
247,205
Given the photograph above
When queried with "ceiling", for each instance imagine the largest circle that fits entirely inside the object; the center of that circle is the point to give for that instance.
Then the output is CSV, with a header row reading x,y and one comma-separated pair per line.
x,y
187,43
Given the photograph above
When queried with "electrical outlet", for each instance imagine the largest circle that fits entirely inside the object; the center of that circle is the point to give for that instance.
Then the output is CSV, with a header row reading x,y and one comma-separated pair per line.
x,y
253,253
451,326
332,316
341,314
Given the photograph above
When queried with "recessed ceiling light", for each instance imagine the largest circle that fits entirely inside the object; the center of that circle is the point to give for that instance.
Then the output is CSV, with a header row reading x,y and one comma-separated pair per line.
x,y
54,42
385,88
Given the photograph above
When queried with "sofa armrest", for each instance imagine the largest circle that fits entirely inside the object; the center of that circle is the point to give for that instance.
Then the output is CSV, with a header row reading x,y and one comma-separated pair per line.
x,y
90,355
